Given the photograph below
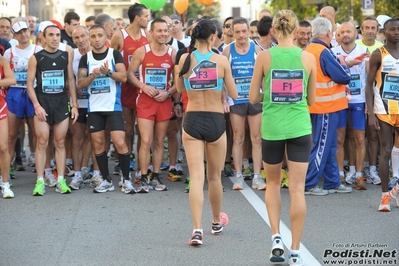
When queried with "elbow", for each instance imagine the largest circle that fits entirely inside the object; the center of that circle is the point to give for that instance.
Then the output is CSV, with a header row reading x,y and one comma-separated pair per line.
x,y
311,101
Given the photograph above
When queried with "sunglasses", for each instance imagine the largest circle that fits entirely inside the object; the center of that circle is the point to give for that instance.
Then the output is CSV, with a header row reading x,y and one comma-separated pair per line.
x,y
176,22
227,26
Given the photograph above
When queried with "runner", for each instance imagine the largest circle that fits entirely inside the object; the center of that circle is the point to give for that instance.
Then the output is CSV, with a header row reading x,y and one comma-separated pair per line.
x,y
204,85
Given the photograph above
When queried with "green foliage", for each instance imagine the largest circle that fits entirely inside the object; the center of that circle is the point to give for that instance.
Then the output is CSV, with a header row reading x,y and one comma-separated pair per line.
x,y
195,9
346,10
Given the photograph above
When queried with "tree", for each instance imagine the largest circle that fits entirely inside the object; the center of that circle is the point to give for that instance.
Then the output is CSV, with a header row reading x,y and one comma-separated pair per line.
x,y
194,10
300,7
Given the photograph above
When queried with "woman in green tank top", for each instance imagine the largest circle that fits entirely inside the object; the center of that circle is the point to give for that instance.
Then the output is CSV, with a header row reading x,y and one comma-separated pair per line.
x,y
288,76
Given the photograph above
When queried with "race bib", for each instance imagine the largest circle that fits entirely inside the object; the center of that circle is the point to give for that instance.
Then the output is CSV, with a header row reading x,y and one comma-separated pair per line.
x,y
355,85
204,76
53,81
84,94
286,86
243,84
21,76
390,90
156,77
101,84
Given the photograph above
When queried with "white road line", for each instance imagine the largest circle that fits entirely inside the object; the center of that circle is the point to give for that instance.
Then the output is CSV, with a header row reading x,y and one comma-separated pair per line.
x,y
285,232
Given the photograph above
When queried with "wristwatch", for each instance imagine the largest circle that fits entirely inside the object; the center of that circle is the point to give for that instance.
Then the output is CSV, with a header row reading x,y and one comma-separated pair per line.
x,y
109,73
169,94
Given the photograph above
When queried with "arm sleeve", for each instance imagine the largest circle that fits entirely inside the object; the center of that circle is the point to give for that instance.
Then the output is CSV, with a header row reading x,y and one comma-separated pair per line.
x,y
118,57
83,62
332,68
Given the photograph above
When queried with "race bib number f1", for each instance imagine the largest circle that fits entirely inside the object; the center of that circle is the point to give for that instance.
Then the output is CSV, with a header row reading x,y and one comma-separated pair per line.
x,y
204,76
53,81
390,90
286,86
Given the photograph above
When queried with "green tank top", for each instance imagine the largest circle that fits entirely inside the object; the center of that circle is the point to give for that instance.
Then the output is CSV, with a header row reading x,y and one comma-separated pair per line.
x,y
285,111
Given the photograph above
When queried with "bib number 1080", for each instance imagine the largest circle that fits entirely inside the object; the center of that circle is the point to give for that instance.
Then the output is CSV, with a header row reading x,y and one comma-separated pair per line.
x,y
245,87
156,79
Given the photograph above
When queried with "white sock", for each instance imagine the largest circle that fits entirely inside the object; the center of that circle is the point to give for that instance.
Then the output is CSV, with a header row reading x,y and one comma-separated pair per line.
x,y
341,173
352,168
172,167
198,230
60,177
68,161
294,252
78,173
358,174
275,235
373,168
245,163
385,193
96,172
395,161
40,178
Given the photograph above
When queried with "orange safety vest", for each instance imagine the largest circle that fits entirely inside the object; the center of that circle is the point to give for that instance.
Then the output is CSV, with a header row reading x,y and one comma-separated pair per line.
x,y
330,96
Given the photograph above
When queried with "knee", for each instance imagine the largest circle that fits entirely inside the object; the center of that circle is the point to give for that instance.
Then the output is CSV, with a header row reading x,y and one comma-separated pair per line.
x,y
120,144
41,143
59,143
238,139
3,148
145,143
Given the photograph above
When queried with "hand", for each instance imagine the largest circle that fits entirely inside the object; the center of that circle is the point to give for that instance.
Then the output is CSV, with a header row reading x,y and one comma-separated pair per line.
x,y
74,114
150,91
41,114
104,68
226,107
373,121
178,110
96,72
161,96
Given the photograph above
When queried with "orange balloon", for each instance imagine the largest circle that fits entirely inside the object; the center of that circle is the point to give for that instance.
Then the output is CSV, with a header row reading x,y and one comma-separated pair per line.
x,y
181,6
207,2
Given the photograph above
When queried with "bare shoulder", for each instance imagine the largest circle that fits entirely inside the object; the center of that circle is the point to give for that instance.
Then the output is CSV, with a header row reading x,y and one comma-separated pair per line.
x,y
307,57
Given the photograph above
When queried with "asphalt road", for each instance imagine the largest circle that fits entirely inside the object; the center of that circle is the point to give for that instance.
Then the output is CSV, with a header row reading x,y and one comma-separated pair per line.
x,y
85,228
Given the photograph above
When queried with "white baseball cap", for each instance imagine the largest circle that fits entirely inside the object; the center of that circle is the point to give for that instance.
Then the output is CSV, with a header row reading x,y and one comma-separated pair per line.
x,y
45,24
382,19
18,26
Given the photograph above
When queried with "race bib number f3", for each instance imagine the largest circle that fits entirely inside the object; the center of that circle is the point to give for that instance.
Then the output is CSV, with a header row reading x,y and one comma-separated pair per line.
x,y
204,76
53,81
286,86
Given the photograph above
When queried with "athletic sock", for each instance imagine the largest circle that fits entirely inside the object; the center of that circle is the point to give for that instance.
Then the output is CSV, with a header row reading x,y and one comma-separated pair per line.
x,y
60,177
352,168
275,235
96,172
358,174
294,252
373,168
40,178
395,161
155,175
341,173
102,161
124,162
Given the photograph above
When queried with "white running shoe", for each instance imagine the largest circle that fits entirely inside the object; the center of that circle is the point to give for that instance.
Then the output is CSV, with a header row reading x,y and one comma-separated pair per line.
x,y
6,190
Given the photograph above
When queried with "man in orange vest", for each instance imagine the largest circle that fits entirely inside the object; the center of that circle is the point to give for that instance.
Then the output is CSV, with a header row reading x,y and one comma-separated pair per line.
x,y
332,77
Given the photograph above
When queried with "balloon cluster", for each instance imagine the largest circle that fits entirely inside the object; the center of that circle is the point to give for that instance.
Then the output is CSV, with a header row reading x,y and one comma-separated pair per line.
x,y
154,5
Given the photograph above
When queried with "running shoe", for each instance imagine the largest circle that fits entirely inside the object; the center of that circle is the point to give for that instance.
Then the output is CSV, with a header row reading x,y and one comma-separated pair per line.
x,y
120,184
316,191
258,183
95,181
284,178
77,183
394,193
39,188
196,238
277,251
18,166
350,177
247,174
6,191
366,171
157,184
217,228
295,260
117,169
394,180
69,170
188,182
105,186
228,170
385,204
164,166
143,186
239,183
374,178
340,189
11,172
173,175
360,184
31,160
49,180
86,175
137,177
179,170
128,187
62,187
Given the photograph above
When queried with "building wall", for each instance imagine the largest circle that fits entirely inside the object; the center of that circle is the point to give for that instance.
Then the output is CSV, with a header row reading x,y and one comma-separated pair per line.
x,y
248,9
10,8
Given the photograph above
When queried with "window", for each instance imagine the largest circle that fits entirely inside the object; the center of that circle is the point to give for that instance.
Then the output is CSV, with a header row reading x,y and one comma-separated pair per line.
x,y
98,11
236,12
